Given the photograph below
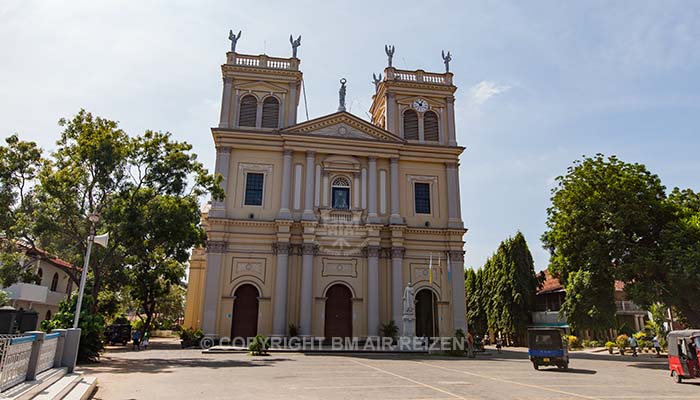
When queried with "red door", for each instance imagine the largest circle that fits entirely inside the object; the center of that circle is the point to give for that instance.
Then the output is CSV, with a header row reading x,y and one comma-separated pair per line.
x,y
245,312
338,312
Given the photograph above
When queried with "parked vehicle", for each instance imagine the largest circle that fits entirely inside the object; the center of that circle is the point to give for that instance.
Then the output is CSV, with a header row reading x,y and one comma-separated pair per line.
x,y
118,333
547,347
683,354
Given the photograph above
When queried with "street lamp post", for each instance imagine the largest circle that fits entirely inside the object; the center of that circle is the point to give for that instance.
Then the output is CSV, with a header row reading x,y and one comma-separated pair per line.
x,y
101,240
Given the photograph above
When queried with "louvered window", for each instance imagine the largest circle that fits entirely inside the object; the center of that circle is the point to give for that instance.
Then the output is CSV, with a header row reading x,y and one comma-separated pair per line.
x,y
430,127
270,113
248,110
410,125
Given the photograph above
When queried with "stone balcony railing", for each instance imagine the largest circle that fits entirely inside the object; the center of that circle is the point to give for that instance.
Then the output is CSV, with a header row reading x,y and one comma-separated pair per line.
x,y
262,61
333,216
34,294
418,76
625,306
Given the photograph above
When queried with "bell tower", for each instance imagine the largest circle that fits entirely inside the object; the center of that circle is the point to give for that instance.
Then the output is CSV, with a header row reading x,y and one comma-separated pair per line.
x,y
415,105
260,92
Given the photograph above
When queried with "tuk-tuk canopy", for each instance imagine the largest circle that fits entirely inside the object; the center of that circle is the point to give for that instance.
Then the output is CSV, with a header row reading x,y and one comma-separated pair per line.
x,y
674,336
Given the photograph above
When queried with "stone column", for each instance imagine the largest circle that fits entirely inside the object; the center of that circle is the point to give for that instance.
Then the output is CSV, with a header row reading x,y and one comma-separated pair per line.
x,y
373,290
459,307
215,255
451,134
356,190
372,216
226,103
286,186
306,300
397,254
279,317
292,110
223,157
309,187
325,190
454,212
395,212
391,114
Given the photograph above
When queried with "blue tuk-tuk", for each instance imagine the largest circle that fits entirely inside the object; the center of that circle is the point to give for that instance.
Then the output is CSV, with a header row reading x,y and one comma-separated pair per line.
x,y
547,347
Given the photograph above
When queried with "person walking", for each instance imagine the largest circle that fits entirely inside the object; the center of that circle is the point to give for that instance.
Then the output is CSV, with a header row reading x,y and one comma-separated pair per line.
x,y
633,345
657,346
499,344
144,342
136,338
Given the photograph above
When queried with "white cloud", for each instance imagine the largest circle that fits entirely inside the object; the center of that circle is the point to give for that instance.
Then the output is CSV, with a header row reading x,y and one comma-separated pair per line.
x,y
484,90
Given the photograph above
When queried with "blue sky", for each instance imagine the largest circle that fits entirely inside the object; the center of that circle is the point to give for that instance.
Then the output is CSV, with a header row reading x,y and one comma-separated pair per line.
x,y
540,82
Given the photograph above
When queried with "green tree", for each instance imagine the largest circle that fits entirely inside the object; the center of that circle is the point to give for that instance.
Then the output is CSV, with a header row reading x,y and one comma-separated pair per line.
x,y
606,219
476,312
91,326
510,284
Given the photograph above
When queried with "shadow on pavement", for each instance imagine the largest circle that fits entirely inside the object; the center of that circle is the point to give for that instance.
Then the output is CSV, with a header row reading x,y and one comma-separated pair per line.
x,y
569,371
162,365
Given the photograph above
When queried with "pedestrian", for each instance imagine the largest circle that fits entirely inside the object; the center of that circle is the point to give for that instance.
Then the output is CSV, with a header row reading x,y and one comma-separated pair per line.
x,y
136,337
657,346
470,345
487,341
633,345
499,344
144,342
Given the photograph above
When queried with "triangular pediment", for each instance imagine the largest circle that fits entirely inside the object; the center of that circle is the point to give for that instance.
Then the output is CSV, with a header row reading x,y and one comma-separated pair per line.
x,y
261,86
343,125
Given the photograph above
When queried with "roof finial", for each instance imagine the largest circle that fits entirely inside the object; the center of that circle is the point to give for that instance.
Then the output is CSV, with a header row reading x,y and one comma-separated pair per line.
x,y
376,80
341,95
389,50
234,39
295,43
447,58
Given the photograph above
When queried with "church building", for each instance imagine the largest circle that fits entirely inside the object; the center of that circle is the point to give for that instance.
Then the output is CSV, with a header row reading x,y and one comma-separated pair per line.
x,y
326,221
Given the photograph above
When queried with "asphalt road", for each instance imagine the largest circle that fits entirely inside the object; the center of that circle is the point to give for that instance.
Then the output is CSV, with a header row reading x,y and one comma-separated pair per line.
x,y
168,372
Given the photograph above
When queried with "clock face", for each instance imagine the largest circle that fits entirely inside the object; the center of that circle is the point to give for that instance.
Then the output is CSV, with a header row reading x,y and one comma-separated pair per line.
x,y
421,105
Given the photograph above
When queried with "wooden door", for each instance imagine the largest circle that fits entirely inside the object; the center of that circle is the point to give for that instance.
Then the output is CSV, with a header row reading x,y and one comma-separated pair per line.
x,y
245,312
426,314
338,321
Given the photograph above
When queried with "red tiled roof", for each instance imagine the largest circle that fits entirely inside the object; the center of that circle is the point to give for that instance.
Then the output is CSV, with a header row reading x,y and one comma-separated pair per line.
x,y
48,257
552,284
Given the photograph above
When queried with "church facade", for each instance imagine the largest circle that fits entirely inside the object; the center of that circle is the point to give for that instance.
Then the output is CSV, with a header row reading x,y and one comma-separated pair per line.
x,y
326,221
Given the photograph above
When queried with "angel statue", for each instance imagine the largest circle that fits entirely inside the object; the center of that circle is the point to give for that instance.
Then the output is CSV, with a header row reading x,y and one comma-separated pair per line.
x,y
295,43
376,80
447,58
341,95
389,50
234,39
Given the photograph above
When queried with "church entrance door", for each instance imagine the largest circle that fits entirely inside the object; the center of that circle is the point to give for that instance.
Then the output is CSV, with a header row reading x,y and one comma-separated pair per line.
x,y
426,313
245,312
338,321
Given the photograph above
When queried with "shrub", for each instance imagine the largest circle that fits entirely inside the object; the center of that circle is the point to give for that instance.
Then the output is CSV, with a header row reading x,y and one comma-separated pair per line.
x,y
621,343
594,343
390,329
458,344
586,343
609,345
573,342
640,336
190,334
91,326
259,345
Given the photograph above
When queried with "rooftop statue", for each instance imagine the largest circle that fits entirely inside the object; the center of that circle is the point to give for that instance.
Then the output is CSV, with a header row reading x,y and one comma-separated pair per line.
x,y
376,80
447,58
341,95
295,43
389,50
234,39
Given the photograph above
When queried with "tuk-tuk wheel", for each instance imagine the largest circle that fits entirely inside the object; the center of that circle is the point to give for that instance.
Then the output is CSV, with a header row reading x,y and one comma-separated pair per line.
x,y
676,378
534,365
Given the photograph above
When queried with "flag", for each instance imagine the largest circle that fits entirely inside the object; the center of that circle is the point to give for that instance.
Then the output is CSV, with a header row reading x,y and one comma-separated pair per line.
x,y
430,269
449,269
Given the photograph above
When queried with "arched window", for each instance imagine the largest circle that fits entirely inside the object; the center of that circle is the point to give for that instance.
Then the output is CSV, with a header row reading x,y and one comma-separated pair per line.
x,y
270,112
48,315
247,113
430,127
410,125
340,193
54,282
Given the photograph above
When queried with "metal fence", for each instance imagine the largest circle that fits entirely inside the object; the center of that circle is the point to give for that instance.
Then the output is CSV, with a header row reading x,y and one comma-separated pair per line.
x,y
47,354
15,360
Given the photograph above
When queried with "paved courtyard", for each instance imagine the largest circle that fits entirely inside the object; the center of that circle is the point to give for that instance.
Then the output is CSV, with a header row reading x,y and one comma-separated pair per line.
x,y
166,371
